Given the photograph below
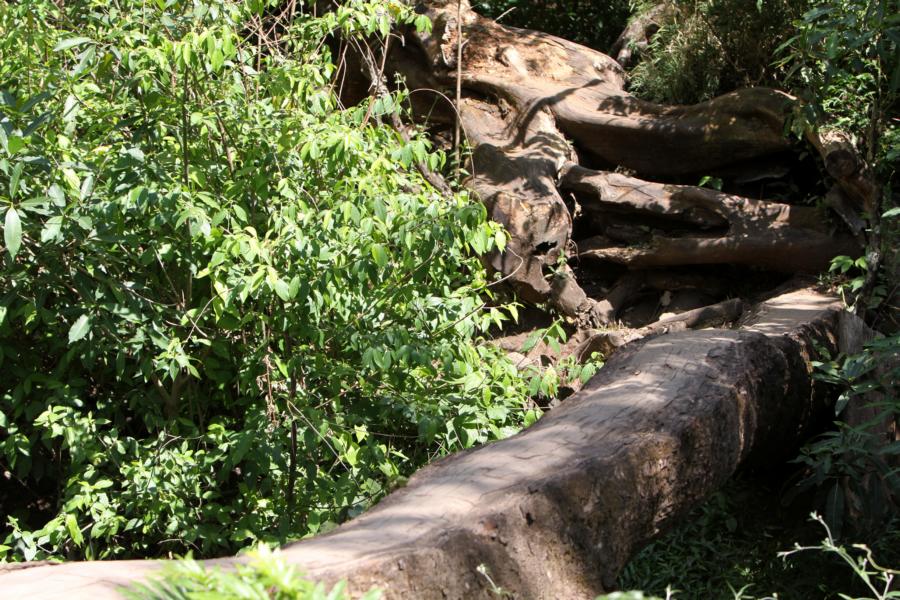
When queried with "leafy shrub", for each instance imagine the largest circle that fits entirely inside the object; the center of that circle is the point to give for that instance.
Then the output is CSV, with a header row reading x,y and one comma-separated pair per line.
x,y
595,24
845,63
545,381
266,575
707,47
854,467
229,310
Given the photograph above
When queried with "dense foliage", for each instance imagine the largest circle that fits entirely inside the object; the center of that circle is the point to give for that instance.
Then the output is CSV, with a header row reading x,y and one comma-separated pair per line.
x,y
595,24
853,467
265,575
844,63
704,48
230,311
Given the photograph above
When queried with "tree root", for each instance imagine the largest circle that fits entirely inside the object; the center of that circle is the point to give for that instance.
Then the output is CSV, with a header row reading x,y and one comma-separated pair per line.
x,y
535,107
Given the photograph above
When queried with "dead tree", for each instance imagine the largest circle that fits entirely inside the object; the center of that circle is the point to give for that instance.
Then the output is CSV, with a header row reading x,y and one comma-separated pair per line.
x,y
552,132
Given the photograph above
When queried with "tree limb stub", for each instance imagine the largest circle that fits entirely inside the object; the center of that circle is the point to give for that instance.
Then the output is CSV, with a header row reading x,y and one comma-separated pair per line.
x,y
557,510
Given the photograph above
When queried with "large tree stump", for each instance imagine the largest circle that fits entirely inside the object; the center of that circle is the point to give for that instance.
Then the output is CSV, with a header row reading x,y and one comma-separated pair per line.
x,y
533,107
557,510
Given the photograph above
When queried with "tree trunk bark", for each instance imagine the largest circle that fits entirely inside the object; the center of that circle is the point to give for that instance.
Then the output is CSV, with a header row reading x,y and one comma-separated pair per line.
x,y
557,510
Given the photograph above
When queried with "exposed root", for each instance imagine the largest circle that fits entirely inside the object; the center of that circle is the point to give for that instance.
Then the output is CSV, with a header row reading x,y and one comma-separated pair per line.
x,y
537,110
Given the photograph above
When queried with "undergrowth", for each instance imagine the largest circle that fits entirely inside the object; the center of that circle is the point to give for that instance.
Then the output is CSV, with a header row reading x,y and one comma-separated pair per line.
x,y
263,575
736,542
707,47
230,310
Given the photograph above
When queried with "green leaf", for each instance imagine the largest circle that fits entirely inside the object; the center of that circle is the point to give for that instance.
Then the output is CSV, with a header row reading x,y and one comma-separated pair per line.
x,y
380,255
12,232
834,508
531,417
51,229
216,59
14,180
57,195
84,61
70,109
74,531
79,329
532,341
87,186
282,289
71,43
37,122
14,144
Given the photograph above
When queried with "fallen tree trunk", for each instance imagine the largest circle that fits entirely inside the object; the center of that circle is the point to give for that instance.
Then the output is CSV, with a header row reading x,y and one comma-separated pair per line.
x,y
556,511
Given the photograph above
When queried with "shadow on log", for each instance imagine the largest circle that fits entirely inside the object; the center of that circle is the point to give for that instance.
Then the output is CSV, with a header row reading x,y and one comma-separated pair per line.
x,y
557,510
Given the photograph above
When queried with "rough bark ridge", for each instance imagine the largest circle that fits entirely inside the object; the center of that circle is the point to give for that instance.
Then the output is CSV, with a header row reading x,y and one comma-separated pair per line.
x,y
549,121
556,511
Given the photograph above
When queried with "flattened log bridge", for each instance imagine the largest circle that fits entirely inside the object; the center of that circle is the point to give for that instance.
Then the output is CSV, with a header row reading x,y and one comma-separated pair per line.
x,y
557,510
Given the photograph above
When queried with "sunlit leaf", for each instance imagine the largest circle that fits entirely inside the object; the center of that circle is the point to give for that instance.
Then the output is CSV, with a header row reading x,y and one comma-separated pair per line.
x,y
79,329
12,232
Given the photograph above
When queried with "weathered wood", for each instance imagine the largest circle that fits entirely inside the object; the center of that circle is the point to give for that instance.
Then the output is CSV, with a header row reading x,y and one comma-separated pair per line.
x,y
529,99
698,207
556,511
716,228
787,251
714,315
607,342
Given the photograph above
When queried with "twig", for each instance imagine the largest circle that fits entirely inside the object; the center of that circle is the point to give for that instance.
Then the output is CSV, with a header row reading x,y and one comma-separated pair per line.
x,y
459,55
